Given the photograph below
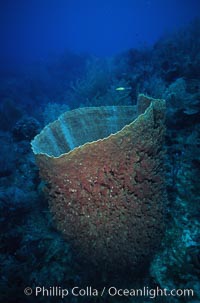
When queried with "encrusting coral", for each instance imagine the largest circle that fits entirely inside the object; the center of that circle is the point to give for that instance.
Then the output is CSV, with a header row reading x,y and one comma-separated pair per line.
x,y
104,172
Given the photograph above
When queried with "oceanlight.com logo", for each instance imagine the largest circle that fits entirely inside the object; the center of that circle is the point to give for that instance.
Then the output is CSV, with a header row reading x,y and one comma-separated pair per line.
x,y
89,291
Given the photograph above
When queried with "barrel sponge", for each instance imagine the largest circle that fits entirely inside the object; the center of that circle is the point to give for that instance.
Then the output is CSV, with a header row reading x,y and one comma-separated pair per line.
x,y
104,172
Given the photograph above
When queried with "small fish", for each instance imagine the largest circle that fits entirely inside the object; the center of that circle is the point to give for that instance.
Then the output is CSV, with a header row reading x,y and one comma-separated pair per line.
x,y
121,88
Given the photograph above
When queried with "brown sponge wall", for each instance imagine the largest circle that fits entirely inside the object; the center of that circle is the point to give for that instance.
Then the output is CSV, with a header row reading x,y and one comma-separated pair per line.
x,y
108,196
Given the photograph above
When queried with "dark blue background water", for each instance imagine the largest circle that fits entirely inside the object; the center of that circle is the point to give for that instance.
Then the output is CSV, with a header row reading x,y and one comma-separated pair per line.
x,y
35,29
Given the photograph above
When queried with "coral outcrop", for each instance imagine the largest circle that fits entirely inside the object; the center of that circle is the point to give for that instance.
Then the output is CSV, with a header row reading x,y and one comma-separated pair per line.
x,y
104,172
26,128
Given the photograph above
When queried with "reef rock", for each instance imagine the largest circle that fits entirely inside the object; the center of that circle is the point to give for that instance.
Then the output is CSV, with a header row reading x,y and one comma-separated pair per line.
x,y
104,172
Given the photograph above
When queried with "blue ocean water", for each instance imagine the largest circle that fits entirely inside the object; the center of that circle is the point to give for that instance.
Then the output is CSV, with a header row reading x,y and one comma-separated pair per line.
x,y
56,56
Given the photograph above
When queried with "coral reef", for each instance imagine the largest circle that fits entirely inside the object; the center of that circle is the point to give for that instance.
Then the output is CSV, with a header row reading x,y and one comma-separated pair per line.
x,y
52,111
177,265
107,196
26,128
9,114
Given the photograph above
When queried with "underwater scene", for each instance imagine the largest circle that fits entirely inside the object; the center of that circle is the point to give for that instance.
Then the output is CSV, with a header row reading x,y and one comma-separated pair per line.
x,y
100,151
